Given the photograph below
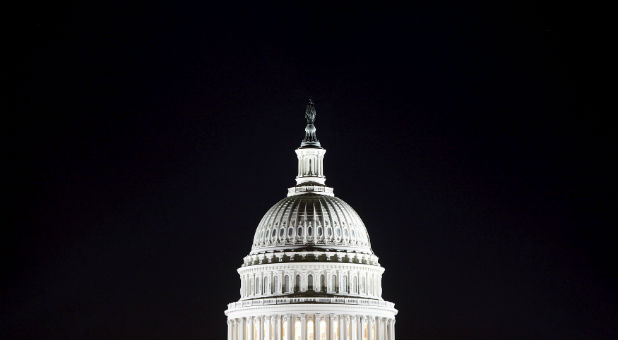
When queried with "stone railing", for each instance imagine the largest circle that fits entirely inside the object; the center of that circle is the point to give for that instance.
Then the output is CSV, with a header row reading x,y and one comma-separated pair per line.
x,y
310,188
282,301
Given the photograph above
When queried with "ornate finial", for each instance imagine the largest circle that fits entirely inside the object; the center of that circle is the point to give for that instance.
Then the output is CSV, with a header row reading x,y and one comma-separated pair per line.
x,y
310,112
310,140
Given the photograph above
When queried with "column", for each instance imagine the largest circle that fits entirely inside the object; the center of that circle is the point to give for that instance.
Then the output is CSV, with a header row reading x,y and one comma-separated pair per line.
x,y
341,328
331,328
229,335
316,327
290,327
261,328
250,335
303,326
278,327
359,326
372,330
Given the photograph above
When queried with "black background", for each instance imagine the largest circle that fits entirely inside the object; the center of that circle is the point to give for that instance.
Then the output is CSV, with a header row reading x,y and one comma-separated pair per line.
x,y
146,140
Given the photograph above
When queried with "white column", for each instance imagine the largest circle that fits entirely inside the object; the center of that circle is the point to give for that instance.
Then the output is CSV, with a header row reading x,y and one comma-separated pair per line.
x,y
331,328
374,327
261,329
278,327
359,326
303,326
290,327
316,327
229,333
250,335
341,328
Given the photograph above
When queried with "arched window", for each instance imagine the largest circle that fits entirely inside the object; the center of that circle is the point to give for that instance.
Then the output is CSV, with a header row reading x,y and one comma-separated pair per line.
x,y
258,285
274,286
266,285
251,286
334,285
286,283
354,286
322,283
362,281
297,284
344,288
310,282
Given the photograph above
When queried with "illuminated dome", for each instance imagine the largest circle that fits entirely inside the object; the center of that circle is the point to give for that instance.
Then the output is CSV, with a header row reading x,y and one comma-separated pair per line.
x,y
311,273
311,221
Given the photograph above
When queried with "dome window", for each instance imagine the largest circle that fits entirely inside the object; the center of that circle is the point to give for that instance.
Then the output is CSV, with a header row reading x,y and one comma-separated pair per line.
x,y
300,231
309,231
329,232
320,231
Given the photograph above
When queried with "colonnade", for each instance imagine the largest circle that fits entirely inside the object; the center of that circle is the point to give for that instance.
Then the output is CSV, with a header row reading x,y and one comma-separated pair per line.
x,y
311,327
352,282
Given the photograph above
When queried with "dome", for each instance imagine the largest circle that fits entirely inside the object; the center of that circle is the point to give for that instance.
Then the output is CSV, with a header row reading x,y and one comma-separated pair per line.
x,y
311,221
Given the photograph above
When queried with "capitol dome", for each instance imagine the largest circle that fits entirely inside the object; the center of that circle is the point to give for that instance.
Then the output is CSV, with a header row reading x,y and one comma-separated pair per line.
x,y
311,273
311,221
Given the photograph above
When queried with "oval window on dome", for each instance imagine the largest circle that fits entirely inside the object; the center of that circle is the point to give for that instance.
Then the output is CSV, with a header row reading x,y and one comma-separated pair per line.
x,y
345,233
309,231
320,231
338,232
281,232
329,232
290,232
352,232
274,233
300,231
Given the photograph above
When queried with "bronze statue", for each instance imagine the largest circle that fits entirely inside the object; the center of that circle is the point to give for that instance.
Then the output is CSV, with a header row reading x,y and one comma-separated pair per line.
x,y
310,112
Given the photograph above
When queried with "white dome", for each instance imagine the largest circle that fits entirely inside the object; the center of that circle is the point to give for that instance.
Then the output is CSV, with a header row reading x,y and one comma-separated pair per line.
x,y
311,221
311,273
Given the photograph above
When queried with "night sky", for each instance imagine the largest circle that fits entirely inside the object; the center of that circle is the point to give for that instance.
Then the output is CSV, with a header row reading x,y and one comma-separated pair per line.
x,y
145,141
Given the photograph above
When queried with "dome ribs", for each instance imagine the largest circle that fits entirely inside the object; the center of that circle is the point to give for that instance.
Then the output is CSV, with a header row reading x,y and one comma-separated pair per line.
x,y
334,225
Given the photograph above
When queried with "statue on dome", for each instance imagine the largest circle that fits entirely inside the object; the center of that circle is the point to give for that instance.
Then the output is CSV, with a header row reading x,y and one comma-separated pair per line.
x,y
310,112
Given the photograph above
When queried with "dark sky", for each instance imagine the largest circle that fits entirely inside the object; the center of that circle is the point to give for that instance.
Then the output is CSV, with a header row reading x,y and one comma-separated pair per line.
x,y
145,141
